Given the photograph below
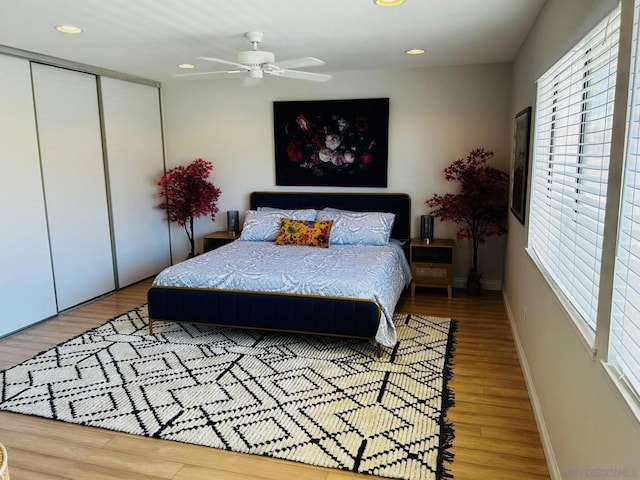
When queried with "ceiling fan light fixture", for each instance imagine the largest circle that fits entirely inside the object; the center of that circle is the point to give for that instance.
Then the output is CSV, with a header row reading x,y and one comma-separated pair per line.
x,y
388,3
415,51
72,29
186,66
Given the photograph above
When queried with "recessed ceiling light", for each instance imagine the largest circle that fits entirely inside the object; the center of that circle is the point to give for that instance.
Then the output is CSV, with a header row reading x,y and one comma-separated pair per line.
x,y
68,29
388,3
186,66
415,51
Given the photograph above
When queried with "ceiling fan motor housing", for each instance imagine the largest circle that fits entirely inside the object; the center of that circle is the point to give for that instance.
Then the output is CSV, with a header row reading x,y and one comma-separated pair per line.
x,y
255,58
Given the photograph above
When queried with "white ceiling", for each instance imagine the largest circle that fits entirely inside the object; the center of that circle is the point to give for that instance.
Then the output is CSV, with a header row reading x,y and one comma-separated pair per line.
x,y
148,38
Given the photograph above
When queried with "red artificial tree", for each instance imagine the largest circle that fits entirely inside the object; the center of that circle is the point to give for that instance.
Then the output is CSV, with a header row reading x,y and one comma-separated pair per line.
x,y
188,194
480,207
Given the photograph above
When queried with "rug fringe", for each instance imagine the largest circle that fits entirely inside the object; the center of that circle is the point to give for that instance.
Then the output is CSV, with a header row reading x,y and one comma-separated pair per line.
x,y
447,431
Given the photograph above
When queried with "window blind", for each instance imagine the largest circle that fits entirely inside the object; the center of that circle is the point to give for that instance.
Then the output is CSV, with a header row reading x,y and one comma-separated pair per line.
x,y
574,116
624,337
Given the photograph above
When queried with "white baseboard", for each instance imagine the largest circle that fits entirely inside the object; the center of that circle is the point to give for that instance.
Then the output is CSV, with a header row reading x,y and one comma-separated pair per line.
x,y
552,463
487,284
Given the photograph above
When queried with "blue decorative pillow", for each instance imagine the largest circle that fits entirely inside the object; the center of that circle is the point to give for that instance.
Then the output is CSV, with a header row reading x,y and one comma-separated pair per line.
x,y
264,225
358,228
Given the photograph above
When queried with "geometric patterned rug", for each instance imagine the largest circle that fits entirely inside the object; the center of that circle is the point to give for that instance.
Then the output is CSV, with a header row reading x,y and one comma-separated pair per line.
x,y
318,400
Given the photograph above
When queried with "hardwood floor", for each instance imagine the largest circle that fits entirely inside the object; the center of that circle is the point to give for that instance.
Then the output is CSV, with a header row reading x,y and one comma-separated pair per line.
x,y
496,434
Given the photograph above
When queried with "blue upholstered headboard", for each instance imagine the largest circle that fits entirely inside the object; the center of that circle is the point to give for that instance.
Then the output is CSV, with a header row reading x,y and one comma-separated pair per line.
x,y
397,203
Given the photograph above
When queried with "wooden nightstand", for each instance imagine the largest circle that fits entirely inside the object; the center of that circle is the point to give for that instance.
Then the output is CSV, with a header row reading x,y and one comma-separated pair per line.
x,y
214,240
431,264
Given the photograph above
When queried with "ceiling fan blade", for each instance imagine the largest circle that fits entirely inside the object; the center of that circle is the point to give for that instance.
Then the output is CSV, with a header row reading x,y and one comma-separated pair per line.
x,y
299,75
299,63
226,62
197,74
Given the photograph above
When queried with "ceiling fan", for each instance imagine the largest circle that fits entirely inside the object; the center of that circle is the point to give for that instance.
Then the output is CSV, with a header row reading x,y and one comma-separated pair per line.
x,y
258,62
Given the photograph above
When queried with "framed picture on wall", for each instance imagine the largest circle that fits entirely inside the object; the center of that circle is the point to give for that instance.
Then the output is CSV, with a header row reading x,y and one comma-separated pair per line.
x,y
520,163
332,142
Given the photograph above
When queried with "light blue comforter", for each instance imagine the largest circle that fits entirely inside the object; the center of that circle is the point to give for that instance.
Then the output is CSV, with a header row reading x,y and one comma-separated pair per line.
x,y
378,273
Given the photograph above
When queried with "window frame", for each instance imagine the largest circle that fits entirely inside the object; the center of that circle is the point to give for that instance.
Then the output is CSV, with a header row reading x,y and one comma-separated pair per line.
x,y
562,131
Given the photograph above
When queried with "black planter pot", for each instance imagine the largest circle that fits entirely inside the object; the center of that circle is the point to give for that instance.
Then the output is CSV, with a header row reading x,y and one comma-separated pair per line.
x,y
474,288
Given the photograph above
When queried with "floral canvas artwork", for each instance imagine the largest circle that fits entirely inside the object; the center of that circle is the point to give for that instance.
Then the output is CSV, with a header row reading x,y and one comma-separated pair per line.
x,y
332,142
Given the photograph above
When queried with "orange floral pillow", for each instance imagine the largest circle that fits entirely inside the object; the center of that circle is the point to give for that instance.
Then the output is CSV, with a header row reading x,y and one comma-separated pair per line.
x,y
304,232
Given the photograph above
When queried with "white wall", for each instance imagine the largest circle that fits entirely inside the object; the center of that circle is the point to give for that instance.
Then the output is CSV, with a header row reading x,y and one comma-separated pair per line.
x,y
586,423
436,116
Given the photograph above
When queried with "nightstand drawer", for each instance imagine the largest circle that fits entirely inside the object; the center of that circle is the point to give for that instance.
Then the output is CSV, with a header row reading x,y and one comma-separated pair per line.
x,y
432,255
428,271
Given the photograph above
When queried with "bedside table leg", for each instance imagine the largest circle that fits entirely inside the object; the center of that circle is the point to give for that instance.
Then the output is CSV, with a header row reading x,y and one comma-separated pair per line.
x,y
450,290
413,289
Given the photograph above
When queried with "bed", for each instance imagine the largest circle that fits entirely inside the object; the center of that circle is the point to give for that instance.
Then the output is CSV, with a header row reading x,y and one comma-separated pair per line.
x,y
293,308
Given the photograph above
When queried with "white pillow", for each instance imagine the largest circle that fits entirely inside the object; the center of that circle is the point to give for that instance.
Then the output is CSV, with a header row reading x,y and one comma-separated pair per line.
x,y
283,210
263,225
358,228
338,210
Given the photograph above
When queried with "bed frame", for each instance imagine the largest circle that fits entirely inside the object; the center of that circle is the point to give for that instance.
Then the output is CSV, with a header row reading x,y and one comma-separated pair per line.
x,y
353,318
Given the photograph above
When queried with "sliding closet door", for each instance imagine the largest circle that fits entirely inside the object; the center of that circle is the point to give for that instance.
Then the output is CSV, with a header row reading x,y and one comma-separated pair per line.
x,y
133,134
26,280
74,183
